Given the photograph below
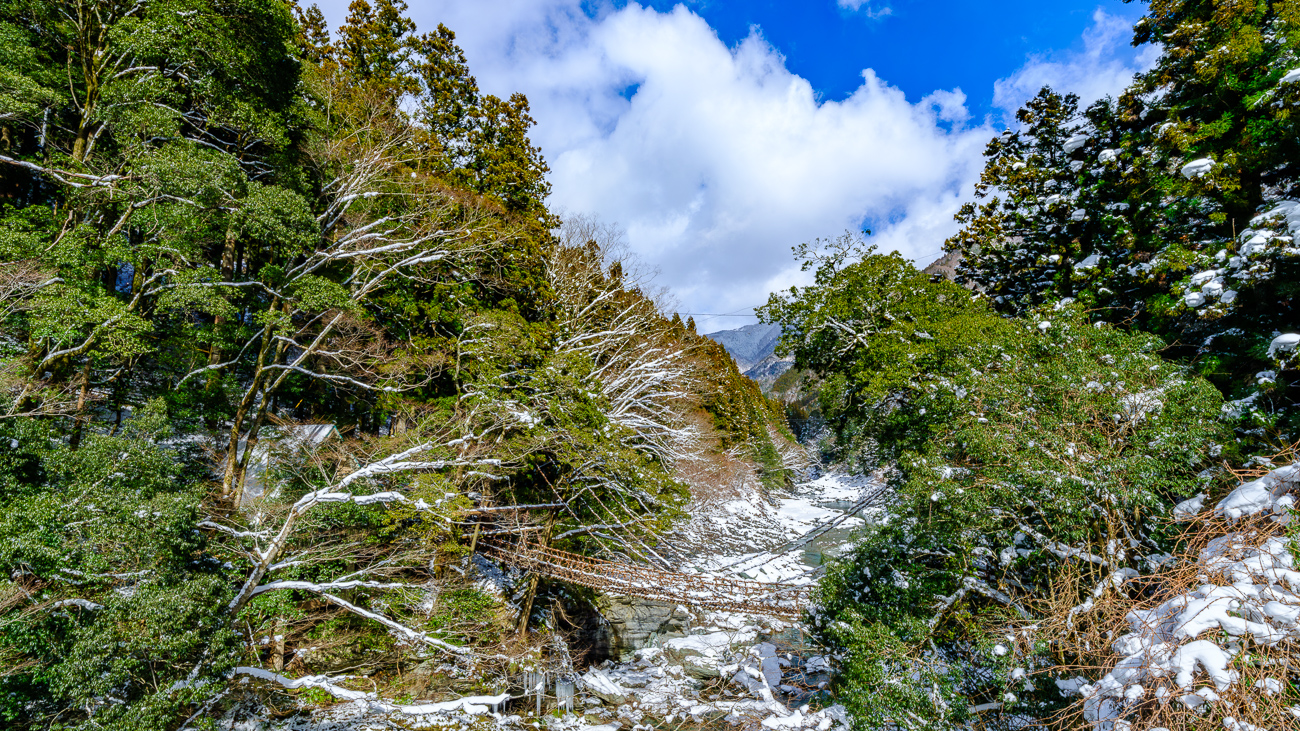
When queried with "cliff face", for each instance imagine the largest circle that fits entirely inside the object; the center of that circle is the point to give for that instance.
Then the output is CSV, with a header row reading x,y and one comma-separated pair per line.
x,y
945,265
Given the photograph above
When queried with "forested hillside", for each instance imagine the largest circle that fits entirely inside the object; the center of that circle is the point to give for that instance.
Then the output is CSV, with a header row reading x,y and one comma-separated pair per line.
x,y
284,316
1087,434
315,415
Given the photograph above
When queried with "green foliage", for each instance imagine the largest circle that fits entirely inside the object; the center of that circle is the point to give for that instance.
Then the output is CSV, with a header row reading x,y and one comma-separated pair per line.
x,y
26,86
1106,207
222,225
742,415
1030,460
559,419
881,679
101,545
1043,455
870,328
469,615
476,141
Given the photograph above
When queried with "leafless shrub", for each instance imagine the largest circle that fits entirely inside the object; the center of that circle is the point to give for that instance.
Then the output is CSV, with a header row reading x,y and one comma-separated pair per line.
x,y
27,395
19,280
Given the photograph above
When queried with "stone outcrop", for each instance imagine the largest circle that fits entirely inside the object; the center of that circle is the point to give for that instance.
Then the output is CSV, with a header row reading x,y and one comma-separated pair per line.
x,y
638,623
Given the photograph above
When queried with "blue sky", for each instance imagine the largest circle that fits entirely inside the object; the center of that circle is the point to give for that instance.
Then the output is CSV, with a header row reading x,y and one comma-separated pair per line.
x,y
917,45
719,133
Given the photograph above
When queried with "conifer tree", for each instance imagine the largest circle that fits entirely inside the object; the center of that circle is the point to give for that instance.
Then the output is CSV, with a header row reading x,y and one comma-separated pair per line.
x,y
223,229
1179,202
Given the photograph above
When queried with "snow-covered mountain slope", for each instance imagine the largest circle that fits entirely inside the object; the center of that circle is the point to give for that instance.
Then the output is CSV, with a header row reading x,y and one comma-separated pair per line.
x,y
767,370
749,344
752,348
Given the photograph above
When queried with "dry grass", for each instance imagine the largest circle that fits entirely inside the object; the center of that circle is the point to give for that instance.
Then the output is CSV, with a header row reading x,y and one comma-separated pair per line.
x,y
18,600
1082,641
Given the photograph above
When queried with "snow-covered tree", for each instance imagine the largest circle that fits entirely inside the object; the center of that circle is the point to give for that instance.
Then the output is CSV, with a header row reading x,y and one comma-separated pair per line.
x,y
1178,195
1033,463
641,367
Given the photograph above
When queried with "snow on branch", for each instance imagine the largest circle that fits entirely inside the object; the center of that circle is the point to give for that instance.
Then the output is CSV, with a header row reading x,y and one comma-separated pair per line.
x,y
83,603
410,635
1114,580
320,588
1061,550
269,556
66,177
400,462
472,705
980,587
333,378
232,531
320,682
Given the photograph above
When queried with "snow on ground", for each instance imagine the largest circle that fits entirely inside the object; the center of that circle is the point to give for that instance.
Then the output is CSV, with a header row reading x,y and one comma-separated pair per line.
x,y
1211,644
736,669
763,539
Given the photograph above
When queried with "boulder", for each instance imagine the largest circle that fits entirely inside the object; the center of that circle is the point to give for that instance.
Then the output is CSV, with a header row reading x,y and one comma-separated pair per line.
x,y
603,687
760,671
700,668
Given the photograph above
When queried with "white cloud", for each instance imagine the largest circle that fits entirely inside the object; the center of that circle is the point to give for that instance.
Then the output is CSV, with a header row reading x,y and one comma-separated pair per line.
x,y
723,159
870,12
1104,67
717,160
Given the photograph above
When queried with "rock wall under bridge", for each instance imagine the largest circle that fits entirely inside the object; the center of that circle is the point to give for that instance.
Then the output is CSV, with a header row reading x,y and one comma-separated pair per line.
x,y
632,623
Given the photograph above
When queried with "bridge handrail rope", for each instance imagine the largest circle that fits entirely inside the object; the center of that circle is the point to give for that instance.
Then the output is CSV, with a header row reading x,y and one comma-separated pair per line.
x,y
633,572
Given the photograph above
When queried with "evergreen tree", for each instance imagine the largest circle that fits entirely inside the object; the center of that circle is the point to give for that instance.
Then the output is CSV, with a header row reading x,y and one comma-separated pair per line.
x,y
221,228
1179,198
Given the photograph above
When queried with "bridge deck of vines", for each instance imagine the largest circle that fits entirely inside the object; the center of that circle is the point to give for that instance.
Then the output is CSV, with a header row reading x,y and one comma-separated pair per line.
x,y
285,317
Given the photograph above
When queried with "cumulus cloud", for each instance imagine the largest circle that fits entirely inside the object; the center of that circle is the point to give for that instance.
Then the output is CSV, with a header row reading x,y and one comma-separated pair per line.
x,y
723,159
1104,66
716,159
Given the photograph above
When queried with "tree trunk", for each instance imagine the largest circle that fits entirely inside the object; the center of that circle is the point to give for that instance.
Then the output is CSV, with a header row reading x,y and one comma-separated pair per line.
x,y
277,653
241,413
227,272
79,427
250,443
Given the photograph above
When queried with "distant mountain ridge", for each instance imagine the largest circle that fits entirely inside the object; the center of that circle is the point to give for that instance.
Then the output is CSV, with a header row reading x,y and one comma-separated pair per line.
x,y
753,348
749,344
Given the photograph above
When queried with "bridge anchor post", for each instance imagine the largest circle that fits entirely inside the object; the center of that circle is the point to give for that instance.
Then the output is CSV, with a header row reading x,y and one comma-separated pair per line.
x,y
527,609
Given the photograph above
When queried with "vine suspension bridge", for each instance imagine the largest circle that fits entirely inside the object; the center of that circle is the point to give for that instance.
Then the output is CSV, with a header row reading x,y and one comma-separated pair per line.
x,y
701,590
710,591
